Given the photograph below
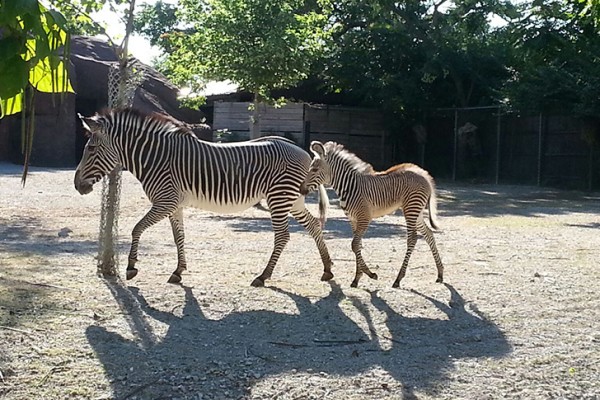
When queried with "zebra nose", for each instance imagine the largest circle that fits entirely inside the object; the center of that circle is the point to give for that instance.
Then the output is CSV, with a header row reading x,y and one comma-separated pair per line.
x,y
83,187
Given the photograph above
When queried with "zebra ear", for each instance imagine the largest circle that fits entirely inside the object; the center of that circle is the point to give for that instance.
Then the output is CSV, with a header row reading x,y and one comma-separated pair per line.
x,y
91,124
317,148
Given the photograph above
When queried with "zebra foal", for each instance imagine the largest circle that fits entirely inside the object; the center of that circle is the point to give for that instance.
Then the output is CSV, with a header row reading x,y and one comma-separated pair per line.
x,y
176,170
366,194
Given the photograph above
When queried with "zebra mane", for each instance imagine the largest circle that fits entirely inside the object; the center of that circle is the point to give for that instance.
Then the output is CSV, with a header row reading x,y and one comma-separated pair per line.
x,y
163,122
337,150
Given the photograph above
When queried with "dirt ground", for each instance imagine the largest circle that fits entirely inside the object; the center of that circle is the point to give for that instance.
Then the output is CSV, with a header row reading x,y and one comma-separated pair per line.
x,y
518,316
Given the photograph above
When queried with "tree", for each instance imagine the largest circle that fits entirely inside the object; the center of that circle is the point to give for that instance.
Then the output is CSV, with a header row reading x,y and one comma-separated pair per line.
x,y
557,59
261,45
79,20
33,42
407,56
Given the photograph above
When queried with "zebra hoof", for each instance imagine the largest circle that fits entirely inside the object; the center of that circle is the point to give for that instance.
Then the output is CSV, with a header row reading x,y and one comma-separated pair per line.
x,y
258,282
396,284
439,280
327,276
354,284
373,276
131,273
174,278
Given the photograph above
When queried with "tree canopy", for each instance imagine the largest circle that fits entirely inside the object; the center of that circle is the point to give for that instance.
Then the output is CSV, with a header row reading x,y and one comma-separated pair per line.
x,y
400,56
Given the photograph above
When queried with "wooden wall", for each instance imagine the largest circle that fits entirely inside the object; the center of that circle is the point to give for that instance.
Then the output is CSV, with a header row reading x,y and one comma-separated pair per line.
x,y
361,130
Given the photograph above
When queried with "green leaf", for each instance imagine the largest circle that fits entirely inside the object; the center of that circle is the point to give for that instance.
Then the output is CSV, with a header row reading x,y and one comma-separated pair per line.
x,y
9,46
12,105
14,73
49,80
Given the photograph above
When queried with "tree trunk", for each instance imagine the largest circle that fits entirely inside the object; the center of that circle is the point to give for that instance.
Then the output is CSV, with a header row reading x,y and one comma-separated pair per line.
x,y
255,119
108,259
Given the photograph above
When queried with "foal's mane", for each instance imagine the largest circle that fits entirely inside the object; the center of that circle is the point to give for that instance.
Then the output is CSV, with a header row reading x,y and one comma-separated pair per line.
x,y
162,120
350,158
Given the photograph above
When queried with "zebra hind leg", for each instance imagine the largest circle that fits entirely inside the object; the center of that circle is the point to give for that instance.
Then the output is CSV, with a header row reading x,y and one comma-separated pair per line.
x,y
428,234
313,226
279,220
411,230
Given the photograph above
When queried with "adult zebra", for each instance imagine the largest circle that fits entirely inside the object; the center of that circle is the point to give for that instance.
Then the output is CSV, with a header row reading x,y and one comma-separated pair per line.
x,y
365,194
177,169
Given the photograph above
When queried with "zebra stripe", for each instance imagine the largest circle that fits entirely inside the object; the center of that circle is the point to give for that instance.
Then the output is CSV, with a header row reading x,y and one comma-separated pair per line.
x,y
366,194
176,170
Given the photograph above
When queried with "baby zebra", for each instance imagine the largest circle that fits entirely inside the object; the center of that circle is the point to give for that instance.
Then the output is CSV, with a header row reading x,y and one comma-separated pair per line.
x,y
365,194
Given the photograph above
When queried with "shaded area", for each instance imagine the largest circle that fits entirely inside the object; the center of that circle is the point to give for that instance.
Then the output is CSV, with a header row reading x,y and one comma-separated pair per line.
x,y
497,200
222,359
334,227
25,236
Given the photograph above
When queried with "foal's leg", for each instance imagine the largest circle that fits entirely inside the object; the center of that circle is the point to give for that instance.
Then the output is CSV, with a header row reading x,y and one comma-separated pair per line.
x,y
176,220
313,226
156,213
280,208
358,230
411,231
424,229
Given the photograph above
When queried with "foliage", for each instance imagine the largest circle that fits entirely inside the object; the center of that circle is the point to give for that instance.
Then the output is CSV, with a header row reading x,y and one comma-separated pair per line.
x,y
33,40
403,57
417,54
557,62
258,44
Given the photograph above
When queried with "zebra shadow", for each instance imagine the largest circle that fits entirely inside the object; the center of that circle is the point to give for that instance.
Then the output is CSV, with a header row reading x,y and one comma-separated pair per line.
x,y
421,350
336,227
225,358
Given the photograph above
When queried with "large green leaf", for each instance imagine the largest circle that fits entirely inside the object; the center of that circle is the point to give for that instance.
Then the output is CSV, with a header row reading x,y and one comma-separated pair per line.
x,y
49,80
14,74
12,105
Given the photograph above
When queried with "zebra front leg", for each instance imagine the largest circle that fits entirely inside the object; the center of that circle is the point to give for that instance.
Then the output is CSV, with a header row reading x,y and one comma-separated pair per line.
x,y
154,215
313,226
359,228
176,220
279,221
411,241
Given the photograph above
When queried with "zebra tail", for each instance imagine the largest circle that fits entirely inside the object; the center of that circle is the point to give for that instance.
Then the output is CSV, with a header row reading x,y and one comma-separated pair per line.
x,y
433,210
323,205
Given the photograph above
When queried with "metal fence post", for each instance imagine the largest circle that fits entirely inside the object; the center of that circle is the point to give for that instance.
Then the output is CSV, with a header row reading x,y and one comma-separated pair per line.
x,y
539,166
455,144
498,134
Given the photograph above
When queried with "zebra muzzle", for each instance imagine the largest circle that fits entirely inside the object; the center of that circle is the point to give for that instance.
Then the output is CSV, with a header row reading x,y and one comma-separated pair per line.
x,y
83,186
303,190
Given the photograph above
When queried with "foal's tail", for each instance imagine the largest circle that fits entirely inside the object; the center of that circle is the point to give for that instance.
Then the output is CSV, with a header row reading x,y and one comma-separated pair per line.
x,y
433,211
323,205
432,203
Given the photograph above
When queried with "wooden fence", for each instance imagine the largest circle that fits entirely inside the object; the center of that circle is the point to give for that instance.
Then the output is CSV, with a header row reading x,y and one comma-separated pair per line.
x,y
361,130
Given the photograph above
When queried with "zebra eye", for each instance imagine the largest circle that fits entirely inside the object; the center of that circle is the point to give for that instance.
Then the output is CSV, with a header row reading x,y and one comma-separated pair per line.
x,y
92,148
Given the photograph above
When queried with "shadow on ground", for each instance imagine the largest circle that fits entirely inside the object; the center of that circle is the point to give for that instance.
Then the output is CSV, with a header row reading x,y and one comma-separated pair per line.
x,y
26,236
223,359
530,201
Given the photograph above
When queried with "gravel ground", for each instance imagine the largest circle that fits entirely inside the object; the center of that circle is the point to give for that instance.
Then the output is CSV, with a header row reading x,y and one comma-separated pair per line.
x,y
518,316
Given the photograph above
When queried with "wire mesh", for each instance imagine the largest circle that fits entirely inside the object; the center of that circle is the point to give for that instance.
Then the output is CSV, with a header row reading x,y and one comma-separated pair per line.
x,y
123,82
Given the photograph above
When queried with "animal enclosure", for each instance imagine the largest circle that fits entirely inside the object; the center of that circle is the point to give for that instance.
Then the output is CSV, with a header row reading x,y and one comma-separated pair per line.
x,y
517,317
